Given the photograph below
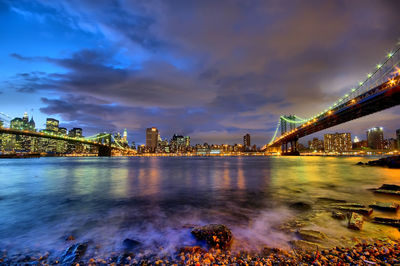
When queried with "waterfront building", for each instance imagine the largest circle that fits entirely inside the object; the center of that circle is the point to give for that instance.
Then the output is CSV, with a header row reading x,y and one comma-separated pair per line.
x,y
52,125
337,142
360,144
375,138
151,139
316,144
133,145
76,132
246,141
62,131
187,141
238,148
21,143
177,143
390,144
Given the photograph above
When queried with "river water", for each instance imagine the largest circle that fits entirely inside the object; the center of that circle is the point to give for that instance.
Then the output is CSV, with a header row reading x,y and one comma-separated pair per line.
x,y
157,200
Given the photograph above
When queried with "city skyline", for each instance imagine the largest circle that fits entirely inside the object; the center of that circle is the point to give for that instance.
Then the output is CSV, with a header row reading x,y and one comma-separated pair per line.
x,y
238,78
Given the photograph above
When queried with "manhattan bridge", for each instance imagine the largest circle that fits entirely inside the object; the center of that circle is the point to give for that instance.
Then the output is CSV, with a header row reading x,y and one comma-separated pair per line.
x,y
380,90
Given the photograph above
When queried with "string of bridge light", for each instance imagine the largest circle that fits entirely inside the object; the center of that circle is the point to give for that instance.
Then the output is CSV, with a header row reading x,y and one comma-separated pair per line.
x,y
353,90
379,66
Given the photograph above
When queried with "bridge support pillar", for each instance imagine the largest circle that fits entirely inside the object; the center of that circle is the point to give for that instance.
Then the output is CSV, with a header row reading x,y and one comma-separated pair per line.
x,y
293,148
104,151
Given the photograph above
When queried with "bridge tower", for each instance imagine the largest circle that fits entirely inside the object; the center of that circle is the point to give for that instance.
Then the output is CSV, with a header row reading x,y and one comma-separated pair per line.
x,y
287,126
105,149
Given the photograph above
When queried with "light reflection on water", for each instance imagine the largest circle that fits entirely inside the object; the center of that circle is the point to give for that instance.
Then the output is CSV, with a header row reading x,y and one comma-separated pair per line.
x,y
153,199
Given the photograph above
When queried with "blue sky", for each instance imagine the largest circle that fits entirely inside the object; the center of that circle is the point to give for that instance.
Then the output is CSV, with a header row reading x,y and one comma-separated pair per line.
x,y
213,70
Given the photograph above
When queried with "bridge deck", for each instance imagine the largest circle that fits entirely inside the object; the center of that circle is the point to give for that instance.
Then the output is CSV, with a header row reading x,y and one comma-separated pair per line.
x,y
49,136
377,99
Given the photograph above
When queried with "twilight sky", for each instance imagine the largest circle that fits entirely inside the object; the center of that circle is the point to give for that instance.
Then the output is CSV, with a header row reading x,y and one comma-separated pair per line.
x,y
213,70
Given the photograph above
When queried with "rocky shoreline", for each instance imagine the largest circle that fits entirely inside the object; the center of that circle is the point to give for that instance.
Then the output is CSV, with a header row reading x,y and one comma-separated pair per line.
x,y
215,241
378,253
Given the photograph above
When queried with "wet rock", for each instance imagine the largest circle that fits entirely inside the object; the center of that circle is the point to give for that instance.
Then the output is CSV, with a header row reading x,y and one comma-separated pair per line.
x,y
73,254
385,206
311,235
338,215
300,206
305,245
387,221
125,258
361,210
391,162
130,244
355,221
330,200
216,235
388,189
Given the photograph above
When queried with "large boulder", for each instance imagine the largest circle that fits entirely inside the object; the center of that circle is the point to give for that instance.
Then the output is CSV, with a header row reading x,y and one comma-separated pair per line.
x,y
73,254
216,235
130,244
355,221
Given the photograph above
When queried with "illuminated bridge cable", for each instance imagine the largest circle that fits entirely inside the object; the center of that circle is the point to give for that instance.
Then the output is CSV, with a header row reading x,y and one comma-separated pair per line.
x,y
117,142
276,132
299,121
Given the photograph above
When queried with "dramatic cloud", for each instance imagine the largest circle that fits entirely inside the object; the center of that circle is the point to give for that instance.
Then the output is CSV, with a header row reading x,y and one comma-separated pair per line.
x,y
205,68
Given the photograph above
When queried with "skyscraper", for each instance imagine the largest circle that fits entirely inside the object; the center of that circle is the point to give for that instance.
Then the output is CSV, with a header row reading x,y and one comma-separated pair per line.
x,y
246,141
338,142
151,138
375,138
125,136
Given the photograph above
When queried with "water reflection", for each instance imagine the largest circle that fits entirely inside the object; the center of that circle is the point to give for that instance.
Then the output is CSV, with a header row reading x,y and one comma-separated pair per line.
x,y
152,199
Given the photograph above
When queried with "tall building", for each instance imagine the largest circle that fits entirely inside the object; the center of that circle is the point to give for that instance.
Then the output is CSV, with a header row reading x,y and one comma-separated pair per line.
x,y
246,141
151,139
179,143
52,125
20,142
398,138
125,136
338,142
375,138
316,145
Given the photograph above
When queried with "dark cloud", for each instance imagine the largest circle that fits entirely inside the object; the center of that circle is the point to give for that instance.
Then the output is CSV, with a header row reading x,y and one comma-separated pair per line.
x,y
211,68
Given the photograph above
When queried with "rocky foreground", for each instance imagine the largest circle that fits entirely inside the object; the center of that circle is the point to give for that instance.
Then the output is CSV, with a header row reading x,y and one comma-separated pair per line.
x,y
218,239
379,253
215,241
